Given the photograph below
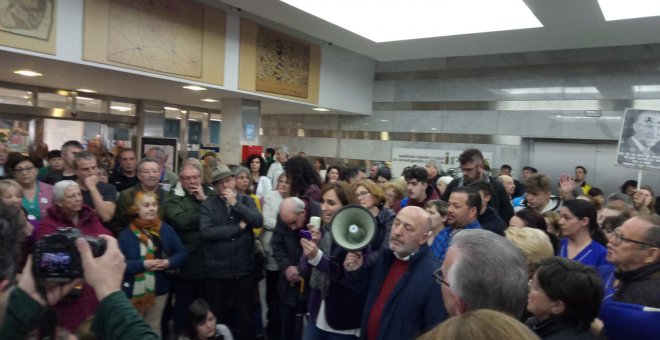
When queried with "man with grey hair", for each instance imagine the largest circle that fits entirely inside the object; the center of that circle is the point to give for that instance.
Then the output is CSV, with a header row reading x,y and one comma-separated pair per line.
x,y
433,171
148,175
403,300
98,195
182,207
293,217
281,157
634,249
621,202
168,178
373,169
483,270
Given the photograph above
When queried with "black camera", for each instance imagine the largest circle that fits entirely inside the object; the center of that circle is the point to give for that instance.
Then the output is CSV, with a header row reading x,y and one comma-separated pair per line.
x,y
56,257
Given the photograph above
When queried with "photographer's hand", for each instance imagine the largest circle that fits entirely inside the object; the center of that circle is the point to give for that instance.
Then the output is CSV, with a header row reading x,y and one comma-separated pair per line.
x,y
104,273
54,292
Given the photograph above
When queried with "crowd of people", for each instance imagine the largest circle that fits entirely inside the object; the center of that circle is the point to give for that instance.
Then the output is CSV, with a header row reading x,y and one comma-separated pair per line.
x,y
451,258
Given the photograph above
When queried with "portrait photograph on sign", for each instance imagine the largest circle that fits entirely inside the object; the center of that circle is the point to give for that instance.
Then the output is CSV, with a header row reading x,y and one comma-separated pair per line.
x,y
639,144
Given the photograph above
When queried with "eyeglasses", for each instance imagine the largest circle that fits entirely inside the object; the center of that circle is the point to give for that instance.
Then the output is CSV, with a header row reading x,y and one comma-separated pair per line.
x,y
363,193
146,172
618,238
440,277
24,169
190,178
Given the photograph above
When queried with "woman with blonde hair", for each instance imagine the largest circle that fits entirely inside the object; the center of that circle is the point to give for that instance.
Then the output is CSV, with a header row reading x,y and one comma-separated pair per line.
x,y
153,252
533,243
371,197
644,200
394,191
481,324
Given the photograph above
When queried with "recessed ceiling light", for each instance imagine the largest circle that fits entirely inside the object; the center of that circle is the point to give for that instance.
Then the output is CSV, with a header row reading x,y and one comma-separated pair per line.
x,y
552,90
86,90
210,100
216,120
194,88
629,9
83,98
28,73
646,88
320,109
171,108
384,120
381,20
120,108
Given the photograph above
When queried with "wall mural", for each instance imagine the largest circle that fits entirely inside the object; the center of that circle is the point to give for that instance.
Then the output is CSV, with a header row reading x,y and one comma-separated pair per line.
x,y
165,36
282,64
32,18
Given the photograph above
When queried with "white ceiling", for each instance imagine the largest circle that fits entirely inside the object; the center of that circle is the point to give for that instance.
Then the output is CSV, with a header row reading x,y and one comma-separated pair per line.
x,y
568,24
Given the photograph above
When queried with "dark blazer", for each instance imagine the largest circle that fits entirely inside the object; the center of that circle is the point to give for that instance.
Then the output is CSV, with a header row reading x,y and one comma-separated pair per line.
x,y
228,249
414,306
286,252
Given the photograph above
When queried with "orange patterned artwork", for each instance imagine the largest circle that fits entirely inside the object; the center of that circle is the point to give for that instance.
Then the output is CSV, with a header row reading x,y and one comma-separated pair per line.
x,y
282,64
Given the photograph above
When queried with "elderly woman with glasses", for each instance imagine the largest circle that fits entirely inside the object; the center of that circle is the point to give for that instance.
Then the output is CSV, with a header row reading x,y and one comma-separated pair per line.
x,y
69,210
371,197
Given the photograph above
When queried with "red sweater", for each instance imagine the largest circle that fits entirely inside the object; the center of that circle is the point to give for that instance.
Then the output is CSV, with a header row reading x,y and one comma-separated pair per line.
x,y
396,272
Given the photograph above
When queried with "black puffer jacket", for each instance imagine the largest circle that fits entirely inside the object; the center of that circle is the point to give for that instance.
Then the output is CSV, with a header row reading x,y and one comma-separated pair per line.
x,y
228,249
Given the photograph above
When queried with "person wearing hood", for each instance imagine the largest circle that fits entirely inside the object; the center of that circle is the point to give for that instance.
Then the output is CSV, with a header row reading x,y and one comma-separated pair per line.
x,y
488,217
538,195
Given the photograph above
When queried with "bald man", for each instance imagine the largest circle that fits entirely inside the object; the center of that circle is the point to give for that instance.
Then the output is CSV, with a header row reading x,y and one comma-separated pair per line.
x,y
403,299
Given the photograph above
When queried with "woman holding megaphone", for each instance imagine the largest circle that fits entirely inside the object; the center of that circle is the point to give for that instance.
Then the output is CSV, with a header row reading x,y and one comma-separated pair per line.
x,y
335,309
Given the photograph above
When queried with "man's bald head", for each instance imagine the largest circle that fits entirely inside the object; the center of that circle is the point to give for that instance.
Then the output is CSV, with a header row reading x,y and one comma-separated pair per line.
x,y
292,212
410,231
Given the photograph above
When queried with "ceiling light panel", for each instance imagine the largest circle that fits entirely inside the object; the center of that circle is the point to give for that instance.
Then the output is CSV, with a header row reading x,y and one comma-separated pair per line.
x,y
393,20
629,9
28,73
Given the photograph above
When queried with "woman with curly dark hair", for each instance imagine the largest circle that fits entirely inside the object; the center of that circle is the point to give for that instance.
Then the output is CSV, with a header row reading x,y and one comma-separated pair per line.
x,y
259,183
305,181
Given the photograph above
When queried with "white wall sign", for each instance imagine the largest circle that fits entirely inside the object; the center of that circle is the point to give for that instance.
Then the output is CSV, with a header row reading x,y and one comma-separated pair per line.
x,y
59,131
402,157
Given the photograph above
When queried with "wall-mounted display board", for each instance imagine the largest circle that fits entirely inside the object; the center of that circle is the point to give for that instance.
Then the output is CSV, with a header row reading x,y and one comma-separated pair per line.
x,y
278,64
173,37
28,25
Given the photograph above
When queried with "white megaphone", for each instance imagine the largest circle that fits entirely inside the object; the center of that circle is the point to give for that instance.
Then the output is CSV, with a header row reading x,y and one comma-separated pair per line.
x,y
353,227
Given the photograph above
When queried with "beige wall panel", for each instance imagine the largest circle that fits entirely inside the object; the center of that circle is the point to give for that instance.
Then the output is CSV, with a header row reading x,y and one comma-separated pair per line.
x,y
248,65
31,39
98,26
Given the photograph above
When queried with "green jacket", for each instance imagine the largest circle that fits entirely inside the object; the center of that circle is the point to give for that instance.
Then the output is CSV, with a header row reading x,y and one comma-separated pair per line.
x,y
122,219
115,318
182,213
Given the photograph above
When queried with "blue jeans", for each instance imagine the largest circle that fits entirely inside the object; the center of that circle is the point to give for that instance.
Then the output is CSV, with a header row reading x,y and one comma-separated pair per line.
x,y
314,333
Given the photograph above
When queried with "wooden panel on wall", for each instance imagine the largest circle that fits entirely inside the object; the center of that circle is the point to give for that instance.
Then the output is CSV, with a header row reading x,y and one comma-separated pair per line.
x,y
178,38
28,25
301,81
